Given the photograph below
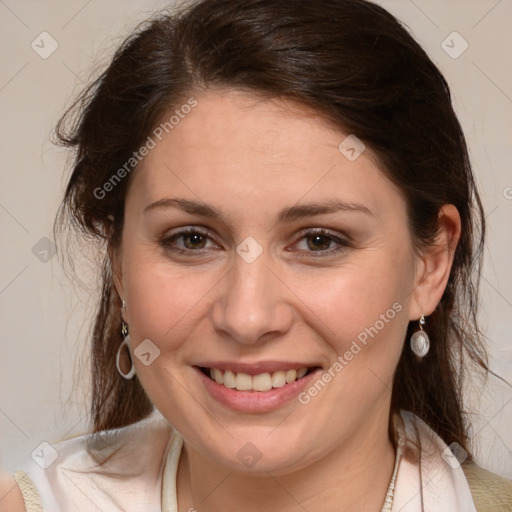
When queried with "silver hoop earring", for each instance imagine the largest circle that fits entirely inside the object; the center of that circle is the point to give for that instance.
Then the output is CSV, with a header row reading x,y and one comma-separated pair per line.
x,y
126,342
420,342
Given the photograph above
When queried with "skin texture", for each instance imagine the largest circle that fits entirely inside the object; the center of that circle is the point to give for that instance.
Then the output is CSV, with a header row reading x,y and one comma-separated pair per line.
x,y
250,158
11,499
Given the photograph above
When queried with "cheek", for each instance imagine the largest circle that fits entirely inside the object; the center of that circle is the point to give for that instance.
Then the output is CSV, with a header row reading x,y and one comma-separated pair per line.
x,y
366,326
163,298
354,297
360,311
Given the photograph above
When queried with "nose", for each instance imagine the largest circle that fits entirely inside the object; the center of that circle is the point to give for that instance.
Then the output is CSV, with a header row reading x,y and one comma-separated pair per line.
x,y
252,304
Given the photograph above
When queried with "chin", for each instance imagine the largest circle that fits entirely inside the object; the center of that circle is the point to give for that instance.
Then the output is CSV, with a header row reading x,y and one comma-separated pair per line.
x,y
258,453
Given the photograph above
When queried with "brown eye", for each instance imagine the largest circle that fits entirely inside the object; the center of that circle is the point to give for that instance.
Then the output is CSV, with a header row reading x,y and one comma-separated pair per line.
x,y
319,242
194,240
189,241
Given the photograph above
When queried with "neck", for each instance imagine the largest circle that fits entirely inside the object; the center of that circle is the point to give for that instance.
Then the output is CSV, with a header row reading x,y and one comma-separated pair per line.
x,y
355,474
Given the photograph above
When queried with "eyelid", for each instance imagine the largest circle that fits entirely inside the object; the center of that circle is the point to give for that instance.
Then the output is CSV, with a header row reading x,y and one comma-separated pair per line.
x,y
183,230
322,231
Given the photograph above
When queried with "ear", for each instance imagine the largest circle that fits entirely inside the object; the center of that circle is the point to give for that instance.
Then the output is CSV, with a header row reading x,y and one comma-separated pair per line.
x,y
435,263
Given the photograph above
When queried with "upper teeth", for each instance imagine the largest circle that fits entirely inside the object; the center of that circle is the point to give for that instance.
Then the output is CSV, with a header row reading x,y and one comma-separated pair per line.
x,y
261,382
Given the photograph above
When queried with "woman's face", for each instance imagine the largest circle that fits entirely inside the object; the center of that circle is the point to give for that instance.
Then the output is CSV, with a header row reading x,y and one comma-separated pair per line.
x,y
255,247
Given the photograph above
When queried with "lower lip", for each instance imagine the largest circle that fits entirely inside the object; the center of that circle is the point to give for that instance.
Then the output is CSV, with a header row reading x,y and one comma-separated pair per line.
x,y
255,401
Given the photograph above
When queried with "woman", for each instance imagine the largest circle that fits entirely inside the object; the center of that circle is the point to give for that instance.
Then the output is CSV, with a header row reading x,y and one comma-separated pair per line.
x,y
292,236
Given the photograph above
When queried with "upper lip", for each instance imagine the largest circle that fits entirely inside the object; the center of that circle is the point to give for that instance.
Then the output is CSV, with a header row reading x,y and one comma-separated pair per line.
x,y
256,367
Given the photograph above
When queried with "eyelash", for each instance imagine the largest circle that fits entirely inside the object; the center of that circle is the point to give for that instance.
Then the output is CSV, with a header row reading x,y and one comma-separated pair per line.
x,y
343,243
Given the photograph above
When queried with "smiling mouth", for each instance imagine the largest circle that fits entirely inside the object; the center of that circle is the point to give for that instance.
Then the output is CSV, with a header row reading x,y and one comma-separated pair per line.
x,y
261,383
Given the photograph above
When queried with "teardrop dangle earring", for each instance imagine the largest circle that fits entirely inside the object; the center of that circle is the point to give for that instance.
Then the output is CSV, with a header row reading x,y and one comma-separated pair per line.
x,y
126,342
420,342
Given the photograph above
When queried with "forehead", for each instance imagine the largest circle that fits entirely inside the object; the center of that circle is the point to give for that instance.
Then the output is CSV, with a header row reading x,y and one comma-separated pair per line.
x,y
233,147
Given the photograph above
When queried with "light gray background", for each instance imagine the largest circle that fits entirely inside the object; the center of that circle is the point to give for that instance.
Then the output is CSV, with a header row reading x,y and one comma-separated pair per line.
x,y
44,318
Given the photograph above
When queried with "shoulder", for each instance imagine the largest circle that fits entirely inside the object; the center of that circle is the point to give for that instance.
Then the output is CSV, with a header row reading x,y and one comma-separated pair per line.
x,y
11,498
445,469
121,466
490,491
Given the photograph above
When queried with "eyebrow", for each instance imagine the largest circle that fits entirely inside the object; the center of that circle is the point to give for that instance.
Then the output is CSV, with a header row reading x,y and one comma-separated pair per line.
x,y
286,215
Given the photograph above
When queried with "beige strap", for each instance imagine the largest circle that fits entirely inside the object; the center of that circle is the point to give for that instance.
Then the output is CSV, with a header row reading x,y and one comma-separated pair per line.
x,y
491,492
29,492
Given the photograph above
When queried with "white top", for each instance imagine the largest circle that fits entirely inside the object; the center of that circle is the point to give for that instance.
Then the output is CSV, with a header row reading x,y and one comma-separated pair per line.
x,y
141,472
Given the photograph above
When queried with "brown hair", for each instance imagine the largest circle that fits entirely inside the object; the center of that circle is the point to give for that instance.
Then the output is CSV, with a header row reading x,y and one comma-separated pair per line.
x,y
355,64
